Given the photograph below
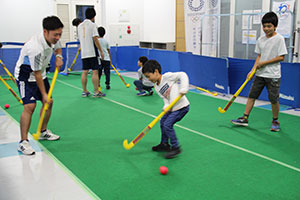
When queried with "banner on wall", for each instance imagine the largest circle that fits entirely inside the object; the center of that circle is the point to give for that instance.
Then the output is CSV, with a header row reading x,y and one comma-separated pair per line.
x,y
201,36
284,10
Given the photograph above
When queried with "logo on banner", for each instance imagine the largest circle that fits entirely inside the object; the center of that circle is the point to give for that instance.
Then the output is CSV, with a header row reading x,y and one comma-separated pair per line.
x,y
214,3
195,19
196,5
282,9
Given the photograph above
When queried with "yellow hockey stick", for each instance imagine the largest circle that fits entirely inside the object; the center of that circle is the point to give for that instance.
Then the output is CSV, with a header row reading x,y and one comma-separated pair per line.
x,y
149,126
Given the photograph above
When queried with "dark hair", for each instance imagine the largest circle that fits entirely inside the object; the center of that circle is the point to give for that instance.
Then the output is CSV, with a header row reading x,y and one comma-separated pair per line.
x,y
101,31
90,13
76,22
0,45
270,17
52,23
150,67
143,59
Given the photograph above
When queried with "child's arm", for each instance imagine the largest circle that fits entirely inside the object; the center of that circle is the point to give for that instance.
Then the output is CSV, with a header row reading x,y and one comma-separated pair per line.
x,y
266,62
97,43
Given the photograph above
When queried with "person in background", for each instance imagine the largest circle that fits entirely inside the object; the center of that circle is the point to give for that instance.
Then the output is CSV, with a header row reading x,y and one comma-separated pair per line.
x,y
143,84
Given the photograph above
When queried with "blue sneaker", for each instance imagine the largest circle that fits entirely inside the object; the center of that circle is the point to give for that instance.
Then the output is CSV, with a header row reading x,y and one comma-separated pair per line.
x,y
241,121
141,93
99,94
275,126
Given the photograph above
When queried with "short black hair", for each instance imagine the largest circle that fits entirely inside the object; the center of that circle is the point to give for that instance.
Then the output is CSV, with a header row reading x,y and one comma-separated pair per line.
x,y
101,31
76,22
51,23
150,67
270,17
90,13
0,45
143,59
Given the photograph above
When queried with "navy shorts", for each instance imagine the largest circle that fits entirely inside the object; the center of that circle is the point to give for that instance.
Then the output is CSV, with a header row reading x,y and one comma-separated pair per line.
x,y
90,63
30,91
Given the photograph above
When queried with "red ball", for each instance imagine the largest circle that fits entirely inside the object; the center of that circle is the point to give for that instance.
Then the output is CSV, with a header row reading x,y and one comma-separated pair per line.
x,y
163,170
6,106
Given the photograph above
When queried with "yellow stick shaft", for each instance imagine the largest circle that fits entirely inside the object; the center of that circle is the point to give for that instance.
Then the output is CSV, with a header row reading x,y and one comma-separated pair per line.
x,y
74,59
149,126
119,74
46,106
8,73
11,90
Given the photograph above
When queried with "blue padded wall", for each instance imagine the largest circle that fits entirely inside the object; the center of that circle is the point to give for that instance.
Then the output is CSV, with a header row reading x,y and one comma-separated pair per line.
x,y
290,81
207,72
9,57
168,60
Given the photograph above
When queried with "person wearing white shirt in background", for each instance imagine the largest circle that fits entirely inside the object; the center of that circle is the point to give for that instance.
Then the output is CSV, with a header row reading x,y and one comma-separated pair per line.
x,y
169,86
88,38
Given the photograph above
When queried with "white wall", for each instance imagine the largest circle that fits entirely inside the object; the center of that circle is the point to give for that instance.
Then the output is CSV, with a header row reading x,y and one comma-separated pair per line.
x,y
159,20
155,17
20,19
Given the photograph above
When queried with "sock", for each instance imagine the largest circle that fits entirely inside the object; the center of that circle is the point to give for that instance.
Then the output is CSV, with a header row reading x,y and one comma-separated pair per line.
x,y
42,131
275,118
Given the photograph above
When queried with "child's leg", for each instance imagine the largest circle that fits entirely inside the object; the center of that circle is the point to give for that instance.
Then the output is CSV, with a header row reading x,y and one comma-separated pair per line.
x,y
256,89
164,136
139,85
273,87
106,65
168,124
100,71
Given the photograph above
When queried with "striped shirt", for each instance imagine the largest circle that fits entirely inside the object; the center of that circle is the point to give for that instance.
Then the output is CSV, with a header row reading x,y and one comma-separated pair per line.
x,y
35,56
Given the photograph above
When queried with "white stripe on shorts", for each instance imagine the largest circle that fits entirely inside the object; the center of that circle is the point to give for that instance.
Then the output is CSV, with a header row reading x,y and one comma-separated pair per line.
x,y
22,89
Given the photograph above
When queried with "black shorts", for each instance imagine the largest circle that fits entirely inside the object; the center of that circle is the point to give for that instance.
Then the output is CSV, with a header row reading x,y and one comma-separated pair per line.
x,y
272,84
90,63
30,91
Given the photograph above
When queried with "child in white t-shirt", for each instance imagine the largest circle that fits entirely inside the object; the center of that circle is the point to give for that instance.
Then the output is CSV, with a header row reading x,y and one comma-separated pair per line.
x,y
169,86
271,50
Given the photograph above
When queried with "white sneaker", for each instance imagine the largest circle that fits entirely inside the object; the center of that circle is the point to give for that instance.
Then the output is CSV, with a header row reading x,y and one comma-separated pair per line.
x,y
25,148
48,135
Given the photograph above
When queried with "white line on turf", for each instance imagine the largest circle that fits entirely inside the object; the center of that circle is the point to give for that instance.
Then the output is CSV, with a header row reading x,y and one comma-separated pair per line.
x,y
198,133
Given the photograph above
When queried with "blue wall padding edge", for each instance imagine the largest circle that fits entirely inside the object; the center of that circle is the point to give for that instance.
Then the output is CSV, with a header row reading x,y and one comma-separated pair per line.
x,y
126,57
206,72
168,60
290,81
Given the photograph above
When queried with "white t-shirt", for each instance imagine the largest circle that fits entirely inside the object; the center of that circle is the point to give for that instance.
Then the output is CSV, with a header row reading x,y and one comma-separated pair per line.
x,y
145,81
171,85
104,46
86,31
270,48
37,54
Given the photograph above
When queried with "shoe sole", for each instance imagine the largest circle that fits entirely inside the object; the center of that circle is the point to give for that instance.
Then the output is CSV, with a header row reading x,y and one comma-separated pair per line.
x,y
239,124
274,130
19,150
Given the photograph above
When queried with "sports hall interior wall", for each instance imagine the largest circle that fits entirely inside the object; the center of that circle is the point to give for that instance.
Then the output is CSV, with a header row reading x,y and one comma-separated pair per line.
x,y
224,75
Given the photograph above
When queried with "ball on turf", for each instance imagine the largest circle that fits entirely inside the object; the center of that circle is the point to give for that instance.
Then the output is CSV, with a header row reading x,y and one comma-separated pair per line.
x,y
128,85
6,106
163,170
